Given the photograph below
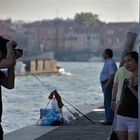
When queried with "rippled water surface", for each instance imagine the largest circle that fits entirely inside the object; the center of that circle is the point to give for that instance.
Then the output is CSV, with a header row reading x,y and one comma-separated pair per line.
x,y
22,104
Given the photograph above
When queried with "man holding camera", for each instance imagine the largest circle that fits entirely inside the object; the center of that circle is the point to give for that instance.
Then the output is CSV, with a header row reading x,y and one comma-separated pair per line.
x,y
8,61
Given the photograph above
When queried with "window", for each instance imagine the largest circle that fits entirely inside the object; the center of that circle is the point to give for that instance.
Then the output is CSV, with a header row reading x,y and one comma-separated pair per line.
x,y
109,40
110,32
117,40
88,37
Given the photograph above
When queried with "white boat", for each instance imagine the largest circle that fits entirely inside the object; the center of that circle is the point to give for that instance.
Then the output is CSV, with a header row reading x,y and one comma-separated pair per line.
x,y
62,71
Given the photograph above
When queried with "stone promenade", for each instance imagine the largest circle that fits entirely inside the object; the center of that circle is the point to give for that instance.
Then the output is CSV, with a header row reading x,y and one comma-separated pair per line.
x,y
82,129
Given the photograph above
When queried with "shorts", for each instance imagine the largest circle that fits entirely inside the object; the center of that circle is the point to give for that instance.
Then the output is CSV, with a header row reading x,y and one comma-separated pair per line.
x,y
124,123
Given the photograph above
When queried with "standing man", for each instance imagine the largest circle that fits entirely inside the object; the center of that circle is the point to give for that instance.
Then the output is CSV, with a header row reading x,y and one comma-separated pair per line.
x,y
7,60
106,79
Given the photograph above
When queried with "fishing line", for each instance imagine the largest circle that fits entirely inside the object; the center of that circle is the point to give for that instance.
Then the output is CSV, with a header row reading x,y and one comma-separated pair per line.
x,y
42,83
50,89
71,112
78,111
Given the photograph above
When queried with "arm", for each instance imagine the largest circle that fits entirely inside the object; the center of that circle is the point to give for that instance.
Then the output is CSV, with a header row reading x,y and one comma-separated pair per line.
x,y
109,81
112,71
9,80
10,59
9,62
131,87
133,91
114,93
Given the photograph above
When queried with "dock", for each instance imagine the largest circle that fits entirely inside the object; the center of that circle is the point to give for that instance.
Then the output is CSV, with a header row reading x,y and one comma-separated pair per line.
x,y
80,129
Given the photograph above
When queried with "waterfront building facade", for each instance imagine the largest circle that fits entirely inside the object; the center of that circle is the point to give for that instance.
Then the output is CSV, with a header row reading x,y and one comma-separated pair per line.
x,y
67,40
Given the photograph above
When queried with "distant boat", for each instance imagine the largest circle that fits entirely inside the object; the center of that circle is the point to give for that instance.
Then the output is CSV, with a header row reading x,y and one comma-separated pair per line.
x,y
62,71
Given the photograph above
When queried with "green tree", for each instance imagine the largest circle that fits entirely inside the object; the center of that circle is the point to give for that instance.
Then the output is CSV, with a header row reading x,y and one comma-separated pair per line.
x,y
87,18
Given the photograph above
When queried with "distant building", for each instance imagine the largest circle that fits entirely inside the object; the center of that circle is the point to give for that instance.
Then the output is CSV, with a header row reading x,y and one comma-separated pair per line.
x,y
66,38
114,34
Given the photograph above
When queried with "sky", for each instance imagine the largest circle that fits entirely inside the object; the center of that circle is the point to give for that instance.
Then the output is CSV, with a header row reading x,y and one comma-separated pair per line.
x,y
107,10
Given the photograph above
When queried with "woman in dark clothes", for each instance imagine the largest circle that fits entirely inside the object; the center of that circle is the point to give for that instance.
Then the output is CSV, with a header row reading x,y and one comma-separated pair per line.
x,y
127,114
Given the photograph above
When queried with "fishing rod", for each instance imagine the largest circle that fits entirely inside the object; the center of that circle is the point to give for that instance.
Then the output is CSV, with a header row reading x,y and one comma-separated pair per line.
x,y
71,112
50,89
78,111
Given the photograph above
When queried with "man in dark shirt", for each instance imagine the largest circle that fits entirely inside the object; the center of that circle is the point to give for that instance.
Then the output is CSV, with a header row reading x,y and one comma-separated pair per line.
x,y
7,80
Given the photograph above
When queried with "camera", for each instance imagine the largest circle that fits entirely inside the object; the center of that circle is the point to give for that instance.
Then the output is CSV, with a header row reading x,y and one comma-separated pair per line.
x,y
3,49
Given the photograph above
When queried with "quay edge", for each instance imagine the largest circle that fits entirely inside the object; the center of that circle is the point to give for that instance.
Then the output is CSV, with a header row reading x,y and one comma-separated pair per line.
x,y
35,131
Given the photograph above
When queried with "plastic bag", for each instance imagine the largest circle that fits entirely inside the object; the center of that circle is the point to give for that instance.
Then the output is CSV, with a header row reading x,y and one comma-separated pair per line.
x,y
48,116
55,106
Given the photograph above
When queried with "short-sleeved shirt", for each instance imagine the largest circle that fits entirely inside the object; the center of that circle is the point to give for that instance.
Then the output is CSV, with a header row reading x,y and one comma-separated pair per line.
x,y
121,74
109,68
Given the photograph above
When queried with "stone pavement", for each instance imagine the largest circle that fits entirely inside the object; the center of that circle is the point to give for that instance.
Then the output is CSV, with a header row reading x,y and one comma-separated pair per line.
x,y
82,129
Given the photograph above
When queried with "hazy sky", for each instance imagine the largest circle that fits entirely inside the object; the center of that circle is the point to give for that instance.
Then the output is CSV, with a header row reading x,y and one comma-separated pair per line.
x,y
107,10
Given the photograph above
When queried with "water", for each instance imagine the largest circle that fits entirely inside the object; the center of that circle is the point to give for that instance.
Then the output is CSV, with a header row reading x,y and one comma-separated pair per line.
x,y
22,104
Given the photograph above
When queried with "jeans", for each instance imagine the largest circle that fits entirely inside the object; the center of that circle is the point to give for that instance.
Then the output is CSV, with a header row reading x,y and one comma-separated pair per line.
x,y
109,115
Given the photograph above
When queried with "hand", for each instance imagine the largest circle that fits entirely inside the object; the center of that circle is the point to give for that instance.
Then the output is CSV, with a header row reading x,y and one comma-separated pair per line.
x,y
18,53
131,82
11,43
10,52
105,86
113,105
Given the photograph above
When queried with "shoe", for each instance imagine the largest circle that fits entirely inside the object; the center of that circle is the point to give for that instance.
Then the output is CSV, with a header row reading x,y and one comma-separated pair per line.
x,y
107,123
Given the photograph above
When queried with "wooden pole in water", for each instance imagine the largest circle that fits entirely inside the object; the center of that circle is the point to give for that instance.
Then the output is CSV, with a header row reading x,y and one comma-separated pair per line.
x,y
129,45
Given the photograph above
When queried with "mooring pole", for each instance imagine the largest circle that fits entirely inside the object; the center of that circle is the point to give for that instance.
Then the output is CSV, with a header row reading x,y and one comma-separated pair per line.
x,y
128,45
